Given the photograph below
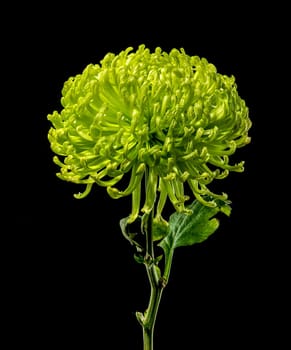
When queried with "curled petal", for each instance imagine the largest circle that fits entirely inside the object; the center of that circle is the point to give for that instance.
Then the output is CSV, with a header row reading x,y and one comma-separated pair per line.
x,y
201,193
223,163
151,190
162,198
136,177
85,193
173,190
136,195
107,183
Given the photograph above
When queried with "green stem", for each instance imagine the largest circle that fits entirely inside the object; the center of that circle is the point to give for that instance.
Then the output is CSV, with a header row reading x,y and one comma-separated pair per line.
x,y
157,288
149,318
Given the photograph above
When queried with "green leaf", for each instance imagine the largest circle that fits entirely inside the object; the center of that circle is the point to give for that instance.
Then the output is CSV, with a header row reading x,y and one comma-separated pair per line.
x,y
159,229
139,258
188,229
130,236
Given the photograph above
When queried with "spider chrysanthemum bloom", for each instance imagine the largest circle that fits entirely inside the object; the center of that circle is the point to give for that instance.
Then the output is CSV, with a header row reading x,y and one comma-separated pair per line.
x,y
166,119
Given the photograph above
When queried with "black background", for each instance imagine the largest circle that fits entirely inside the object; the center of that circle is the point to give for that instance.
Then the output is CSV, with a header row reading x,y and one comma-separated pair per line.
x,y
72,280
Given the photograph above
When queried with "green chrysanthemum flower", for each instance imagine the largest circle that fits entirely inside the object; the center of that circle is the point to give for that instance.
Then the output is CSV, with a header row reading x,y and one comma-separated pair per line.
x,y
165,118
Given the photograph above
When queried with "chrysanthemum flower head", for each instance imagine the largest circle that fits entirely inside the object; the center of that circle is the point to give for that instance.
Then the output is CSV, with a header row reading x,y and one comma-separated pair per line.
x,y
166,119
